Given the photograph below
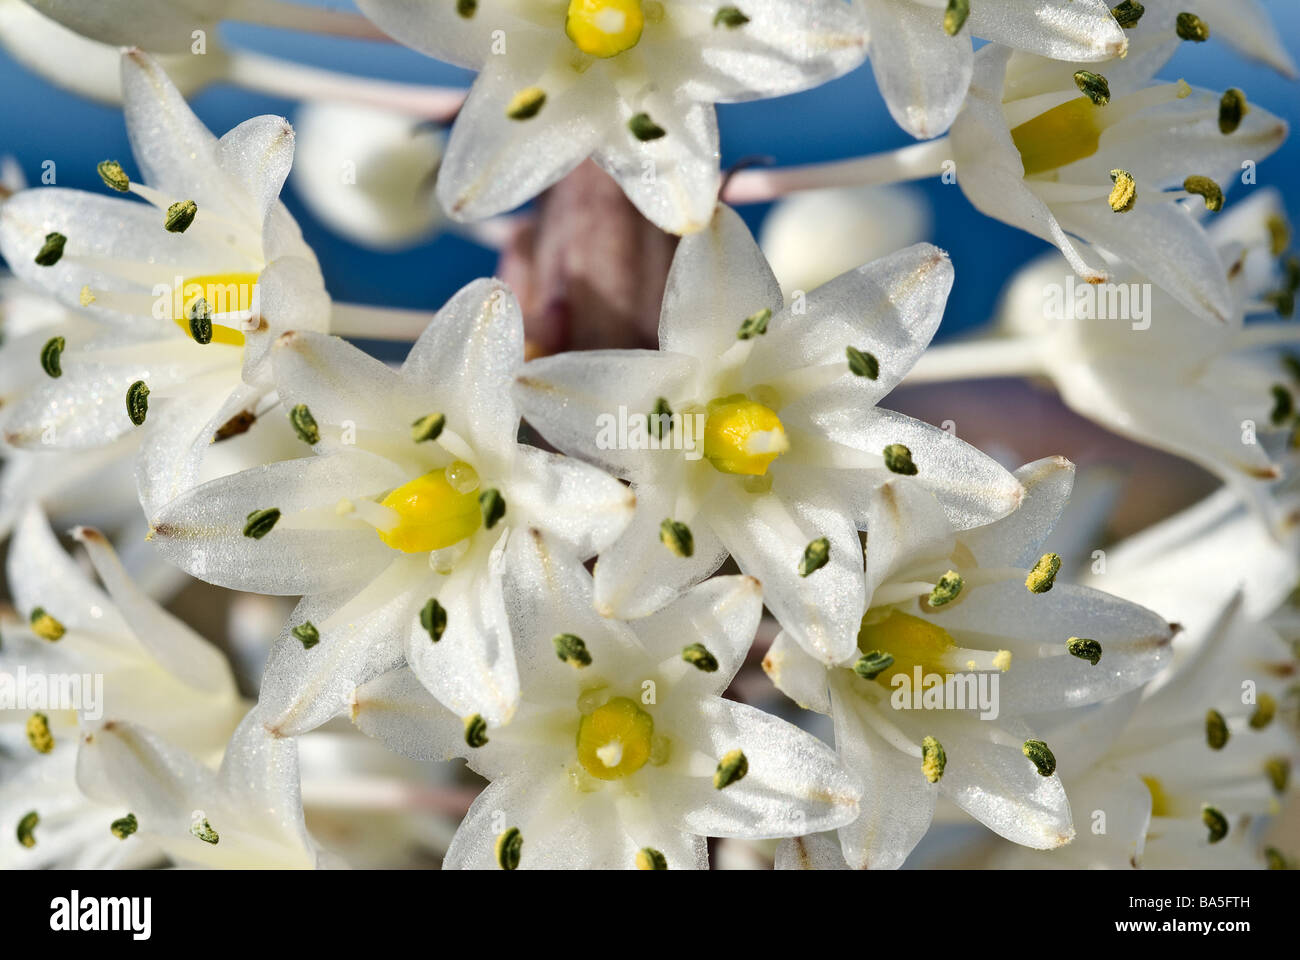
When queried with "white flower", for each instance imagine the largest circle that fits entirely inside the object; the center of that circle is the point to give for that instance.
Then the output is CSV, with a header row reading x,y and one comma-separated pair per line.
x,y
131,661
623,753
213,246
1243,24
778,446
922,56
630,83
1034,152
961,604
368,174
397,530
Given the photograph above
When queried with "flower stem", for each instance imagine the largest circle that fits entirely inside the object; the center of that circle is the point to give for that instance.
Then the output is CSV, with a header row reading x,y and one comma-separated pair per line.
x,y
299,16
915,162
976,360
296,81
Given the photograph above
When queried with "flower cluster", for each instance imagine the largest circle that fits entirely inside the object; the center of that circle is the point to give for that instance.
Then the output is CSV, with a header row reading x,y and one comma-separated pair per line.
x,y
626,585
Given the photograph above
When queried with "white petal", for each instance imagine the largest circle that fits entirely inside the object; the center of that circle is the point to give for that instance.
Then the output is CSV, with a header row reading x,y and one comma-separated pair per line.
x,y
441,32
800,677
1079,30
1016,539
722,614
41,574
820,851
569,499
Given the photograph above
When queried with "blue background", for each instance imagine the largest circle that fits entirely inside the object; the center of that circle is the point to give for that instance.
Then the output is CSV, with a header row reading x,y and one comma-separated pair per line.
x,y
842,119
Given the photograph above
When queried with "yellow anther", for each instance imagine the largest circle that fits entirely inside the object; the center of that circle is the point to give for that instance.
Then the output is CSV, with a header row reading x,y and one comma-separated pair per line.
x,y
614,740
743,437
433,514
224,293
604,28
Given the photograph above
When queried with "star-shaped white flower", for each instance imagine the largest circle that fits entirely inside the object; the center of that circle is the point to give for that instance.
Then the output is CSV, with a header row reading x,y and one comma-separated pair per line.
x,y
979,603
623,753
777,447
630,83
1099,156
190,288
922,55
397,530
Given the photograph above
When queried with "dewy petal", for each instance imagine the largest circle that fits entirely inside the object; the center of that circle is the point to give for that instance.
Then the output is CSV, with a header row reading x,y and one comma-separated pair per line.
x,y
1016,540
1078,30
398,709
291,296
465,360
162,25
767,536
439,30
795,783
718,277
569,499
991,173
819,851
672,180
905,525
202,531
922,73
41,574
493,162
897,801
800,677
258,154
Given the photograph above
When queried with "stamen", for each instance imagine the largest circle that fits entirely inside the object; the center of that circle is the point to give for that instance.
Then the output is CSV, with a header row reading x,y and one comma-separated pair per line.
x,y
1093,86
677,537
428,427
1084,649
572,650
645,129
731,768
124,827
38,733
51,251
476,731
1124,195
1232,107
730,17
698,656
509,848
754,325
304,424
933,759
114,177
815,556
180,215
1041,756
433,618
1283,405
493,507
1279,772
306,634
45,626
648,858
1043,575
1215,822
1265,710
898,459
862,363
27,829
872,664
947,589
1190,27
51,356
137,402
260,522
1216,730
1207,188
661,419
526,104
954,18
1128,13
203,830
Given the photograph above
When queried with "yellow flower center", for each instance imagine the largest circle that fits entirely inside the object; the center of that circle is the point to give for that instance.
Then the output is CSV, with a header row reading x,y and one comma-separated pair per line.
x,y
224,293
614,739
910,640
434,513
743,437
1058,137
604,28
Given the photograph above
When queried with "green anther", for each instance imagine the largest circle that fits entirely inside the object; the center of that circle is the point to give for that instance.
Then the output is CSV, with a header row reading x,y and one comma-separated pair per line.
x,y
51,251
433,617
45,626
180,215
1128,13
862,363
699,657
203,830
954,18
304,424
201,321
815,556
1283,405
947,589
52,356
27,829
677,538
754,325
1292,363
38,733
898,459
661,421
933,759
1093,86
1279,772
114,177
1265,711
730,17
493,507
1041,756
526,104
428,427
260,522
1189,26
476,731
572,650
645,129
1206,188
124,827
1043,575
732,767
872,664
1216,730
1279,234
1124,194
137,402
648,858
1215,822
1274,858
306,634
1232,107
467,8
1084,649
509,848
1283,301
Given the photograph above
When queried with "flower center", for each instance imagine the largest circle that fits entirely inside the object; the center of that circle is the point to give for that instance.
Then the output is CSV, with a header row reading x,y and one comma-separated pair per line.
x,y
433,511
222,294
910,640
614,739
604,28
741,436
1058,137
